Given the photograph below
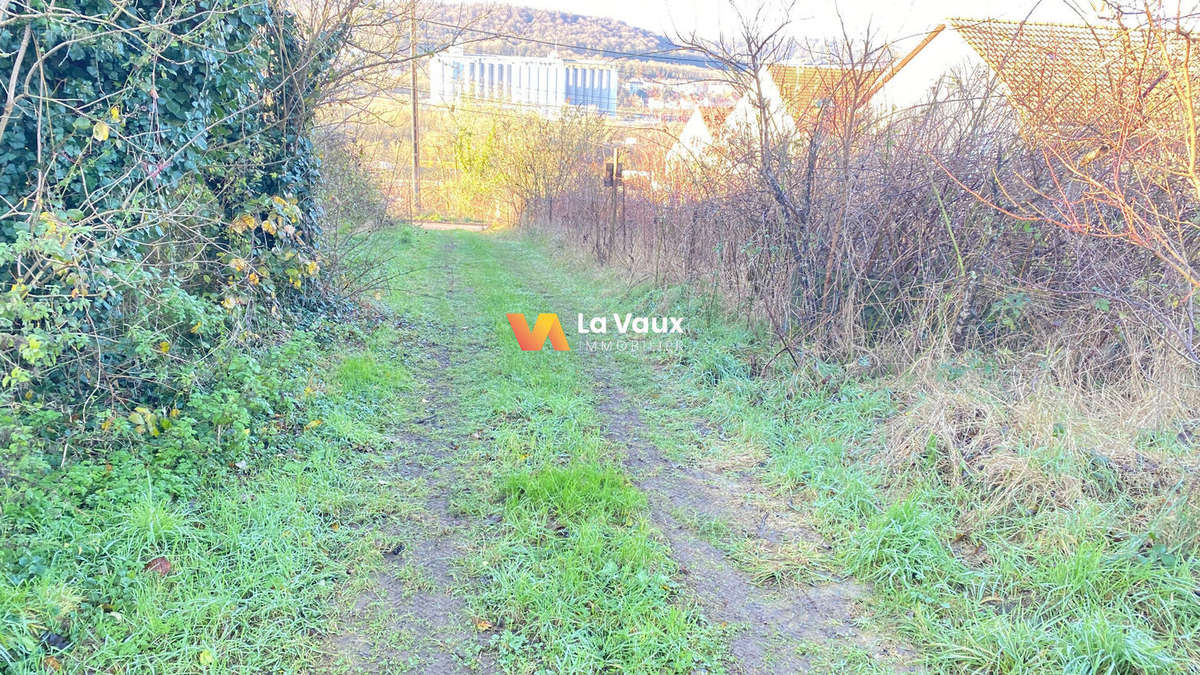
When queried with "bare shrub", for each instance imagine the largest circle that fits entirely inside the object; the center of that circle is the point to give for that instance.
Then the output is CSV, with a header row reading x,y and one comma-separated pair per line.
x,y
1112,138
354,210
865,235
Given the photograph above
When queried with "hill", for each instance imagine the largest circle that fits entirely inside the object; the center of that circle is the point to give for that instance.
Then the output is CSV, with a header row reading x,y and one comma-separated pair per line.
x,y
525,31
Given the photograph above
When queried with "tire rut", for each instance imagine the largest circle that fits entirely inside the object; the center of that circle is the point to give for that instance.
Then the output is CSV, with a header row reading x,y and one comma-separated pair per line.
x,y
417,593
770,623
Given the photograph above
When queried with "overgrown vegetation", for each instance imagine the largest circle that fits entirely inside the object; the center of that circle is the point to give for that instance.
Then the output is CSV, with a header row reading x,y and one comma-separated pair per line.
x,y
166,555
156,210
166,493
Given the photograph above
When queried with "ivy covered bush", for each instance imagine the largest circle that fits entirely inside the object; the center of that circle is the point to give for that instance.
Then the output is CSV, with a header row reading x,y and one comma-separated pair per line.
x,y
157,201
157,220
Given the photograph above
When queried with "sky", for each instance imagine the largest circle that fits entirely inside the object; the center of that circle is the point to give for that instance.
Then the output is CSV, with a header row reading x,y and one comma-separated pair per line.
x,y
901,22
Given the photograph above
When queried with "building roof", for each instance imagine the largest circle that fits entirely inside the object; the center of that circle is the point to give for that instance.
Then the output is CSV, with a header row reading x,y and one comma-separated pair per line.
x,y
805,90
1085,78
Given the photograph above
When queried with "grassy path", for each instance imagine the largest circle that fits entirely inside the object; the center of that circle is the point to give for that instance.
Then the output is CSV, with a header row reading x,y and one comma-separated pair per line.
x,y
555,526
407,491
412,615
679,509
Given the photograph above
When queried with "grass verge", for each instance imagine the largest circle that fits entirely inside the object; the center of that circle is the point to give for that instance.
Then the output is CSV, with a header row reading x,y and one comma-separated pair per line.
x,y
225,540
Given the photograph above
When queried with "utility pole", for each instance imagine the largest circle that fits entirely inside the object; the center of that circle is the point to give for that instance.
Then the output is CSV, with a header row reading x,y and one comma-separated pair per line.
x,y
416,134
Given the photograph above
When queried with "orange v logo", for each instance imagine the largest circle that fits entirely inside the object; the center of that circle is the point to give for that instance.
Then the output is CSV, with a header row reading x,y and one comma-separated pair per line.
x,y
547,325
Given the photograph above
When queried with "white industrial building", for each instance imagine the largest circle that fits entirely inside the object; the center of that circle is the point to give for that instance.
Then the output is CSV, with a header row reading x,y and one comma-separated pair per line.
x,y
547,83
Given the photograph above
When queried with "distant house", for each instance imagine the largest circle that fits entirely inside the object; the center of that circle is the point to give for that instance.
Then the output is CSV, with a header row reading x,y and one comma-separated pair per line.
x,y
698,135
796,100
802,98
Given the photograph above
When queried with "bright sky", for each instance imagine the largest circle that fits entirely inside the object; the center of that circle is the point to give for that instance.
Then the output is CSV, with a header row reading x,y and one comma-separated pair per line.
x,y
901,21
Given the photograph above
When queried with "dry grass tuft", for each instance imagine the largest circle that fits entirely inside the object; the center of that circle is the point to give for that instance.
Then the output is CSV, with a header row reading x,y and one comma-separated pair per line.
x,y
956,427
734,455
1008,480
1024,443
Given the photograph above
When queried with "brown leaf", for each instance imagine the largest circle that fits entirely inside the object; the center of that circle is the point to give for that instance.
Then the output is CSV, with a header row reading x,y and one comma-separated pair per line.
x,y
52,663
160,565
483,624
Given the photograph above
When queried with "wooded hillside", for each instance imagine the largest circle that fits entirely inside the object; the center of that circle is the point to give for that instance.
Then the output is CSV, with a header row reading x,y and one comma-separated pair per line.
x,y
562,28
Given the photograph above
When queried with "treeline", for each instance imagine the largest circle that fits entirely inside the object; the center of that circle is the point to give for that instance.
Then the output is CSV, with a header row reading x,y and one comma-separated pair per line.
x,y
537,32
479,21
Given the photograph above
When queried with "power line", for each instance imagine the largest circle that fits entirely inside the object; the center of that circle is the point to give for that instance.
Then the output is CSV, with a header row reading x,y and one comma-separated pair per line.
x,y
659,55
461,98
494,108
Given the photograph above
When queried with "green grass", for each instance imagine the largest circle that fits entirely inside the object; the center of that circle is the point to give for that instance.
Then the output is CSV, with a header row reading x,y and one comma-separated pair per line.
x,y
581,573
574,577
272,498
258,495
